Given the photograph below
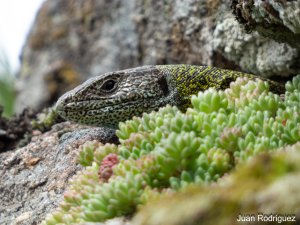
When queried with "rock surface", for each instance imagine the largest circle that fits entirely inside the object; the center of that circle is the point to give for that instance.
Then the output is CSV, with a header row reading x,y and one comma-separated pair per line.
x,y
33,178
279,20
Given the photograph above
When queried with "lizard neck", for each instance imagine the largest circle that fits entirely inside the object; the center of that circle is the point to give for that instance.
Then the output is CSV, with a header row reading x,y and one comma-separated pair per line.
x,y
187,80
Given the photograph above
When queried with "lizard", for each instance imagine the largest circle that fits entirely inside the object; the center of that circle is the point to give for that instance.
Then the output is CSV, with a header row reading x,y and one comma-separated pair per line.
x,y
117,96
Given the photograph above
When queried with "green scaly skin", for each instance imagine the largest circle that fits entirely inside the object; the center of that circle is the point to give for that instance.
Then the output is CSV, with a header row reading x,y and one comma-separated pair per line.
x,y
114,97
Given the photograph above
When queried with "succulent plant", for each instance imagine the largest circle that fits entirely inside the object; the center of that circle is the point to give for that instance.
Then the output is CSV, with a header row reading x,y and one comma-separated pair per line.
x,y
166,150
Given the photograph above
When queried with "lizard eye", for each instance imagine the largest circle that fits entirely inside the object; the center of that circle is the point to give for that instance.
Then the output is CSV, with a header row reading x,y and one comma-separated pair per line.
x,y
109,86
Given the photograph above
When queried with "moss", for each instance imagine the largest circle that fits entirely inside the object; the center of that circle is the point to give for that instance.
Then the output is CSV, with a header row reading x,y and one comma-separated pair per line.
x,y
45,119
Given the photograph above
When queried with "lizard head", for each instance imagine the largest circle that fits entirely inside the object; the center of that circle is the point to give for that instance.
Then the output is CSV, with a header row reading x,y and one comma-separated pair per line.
x,y
113,97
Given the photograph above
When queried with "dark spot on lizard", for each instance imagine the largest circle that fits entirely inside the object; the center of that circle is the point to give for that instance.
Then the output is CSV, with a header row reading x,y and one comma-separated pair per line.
x,y
225,83
164,85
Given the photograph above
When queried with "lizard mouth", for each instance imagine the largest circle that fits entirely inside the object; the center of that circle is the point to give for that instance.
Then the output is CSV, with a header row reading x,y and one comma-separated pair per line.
x,y
102,105
105,113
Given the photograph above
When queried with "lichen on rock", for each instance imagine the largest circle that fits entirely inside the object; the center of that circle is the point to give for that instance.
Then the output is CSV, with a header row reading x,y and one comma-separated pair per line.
x,y
168,150
279,20
252,52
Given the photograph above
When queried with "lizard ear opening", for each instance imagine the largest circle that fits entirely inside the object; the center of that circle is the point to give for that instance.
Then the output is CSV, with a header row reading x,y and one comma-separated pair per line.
x,y
164,85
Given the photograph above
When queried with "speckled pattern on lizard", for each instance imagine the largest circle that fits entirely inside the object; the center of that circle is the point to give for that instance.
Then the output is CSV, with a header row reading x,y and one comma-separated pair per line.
x,y
117,96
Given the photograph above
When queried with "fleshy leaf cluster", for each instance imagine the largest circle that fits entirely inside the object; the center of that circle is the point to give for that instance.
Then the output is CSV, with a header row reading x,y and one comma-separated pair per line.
x,y
167,150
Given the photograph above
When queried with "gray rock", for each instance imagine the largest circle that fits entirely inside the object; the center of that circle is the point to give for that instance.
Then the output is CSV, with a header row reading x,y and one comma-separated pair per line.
x,y
34,178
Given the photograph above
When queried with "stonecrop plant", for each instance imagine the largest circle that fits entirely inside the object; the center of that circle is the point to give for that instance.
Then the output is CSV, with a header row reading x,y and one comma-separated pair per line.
x,y
169,149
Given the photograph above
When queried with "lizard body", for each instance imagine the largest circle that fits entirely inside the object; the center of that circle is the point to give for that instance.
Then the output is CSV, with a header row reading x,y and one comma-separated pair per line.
x,y
113,97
